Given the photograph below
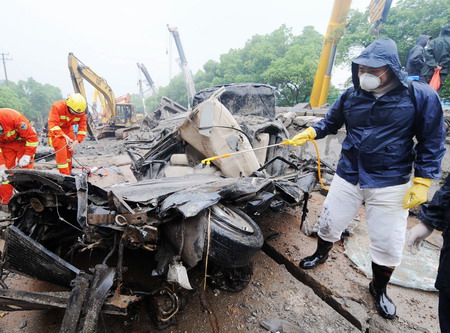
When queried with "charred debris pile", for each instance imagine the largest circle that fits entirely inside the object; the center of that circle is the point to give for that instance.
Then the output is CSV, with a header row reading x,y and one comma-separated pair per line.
x,y
179,215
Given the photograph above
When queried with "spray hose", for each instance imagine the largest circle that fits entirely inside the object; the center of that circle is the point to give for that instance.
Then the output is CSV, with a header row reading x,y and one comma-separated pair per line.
x,y
286,142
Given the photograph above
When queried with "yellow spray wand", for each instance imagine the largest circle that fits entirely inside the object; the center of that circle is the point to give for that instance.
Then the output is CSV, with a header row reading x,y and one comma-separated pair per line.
x,y
286,142
208,160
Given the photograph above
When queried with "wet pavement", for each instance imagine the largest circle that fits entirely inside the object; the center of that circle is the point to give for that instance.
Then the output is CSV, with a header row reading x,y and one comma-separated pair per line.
x,y
338,281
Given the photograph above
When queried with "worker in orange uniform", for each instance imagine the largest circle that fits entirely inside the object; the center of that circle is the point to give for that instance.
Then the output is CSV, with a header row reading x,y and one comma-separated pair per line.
x,y
63,115
18,143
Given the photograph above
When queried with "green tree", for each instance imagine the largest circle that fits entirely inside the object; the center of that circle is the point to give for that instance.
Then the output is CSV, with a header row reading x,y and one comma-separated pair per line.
x,y
152,103
280,59
9,98
136,100
205,78
293,74
30,97
41,96
175,90
249,63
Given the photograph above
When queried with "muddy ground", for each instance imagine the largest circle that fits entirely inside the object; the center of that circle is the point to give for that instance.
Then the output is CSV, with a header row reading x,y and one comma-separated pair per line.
x,y
332,298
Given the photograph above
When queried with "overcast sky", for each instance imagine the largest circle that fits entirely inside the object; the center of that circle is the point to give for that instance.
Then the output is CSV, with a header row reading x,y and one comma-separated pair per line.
x,y
112,36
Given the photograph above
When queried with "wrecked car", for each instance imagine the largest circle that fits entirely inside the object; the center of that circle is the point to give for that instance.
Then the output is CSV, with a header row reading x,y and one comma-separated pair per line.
x,y
182,212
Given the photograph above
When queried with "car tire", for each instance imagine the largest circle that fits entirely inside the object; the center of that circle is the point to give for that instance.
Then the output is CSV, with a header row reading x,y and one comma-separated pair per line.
x,y
234,237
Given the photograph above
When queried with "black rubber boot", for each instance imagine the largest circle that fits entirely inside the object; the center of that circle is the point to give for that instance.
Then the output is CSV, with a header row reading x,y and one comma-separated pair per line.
x,y
319,257
381,276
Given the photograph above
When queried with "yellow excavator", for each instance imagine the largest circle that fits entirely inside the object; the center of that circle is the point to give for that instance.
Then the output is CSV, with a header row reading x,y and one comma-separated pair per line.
x,y
118,119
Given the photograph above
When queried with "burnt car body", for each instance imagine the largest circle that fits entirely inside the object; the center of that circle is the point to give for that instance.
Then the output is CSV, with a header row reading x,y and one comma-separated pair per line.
x,y
180,211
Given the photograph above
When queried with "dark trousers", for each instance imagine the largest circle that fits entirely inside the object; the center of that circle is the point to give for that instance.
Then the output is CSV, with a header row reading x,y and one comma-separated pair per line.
x,y
444,312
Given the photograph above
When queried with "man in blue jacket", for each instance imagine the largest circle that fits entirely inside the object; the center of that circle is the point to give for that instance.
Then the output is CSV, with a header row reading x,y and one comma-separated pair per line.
x,y
378,154
416,56
437,57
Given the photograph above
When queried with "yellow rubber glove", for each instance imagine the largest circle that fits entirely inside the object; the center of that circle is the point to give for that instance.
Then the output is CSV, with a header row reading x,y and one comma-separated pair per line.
x,y
417,193
301,138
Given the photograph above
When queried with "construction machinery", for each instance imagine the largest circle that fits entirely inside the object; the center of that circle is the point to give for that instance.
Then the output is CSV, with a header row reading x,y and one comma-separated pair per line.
x,y
149,82
190,86
125,99
103,116
332,37
118,119
378,11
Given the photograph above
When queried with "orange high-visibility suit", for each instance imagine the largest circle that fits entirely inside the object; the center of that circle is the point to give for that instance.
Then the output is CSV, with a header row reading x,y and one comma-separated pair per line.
x,y
17,139
61,121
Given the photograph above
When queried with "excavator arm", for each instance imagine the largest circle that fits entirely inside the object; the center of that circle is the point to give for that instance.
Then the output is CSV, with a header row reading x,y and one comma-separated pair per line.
x,y
77,79
79,71
78,86
120,118
125,99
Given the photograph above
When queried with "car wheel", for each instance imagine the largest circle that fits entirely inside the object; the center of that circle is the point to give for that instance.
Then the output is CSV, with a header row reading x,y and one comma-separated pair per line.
x,y
234,238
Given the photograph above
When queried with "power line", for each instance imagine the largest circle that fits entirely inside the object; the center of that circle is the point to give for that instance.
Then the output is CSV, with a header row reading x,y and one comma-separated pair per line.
x,y
4,65
18,71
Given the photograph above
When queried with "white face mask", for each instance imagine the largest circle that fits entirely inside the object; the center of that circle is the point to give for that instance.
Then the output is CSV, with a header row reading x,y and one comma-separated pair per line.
x,y
370,82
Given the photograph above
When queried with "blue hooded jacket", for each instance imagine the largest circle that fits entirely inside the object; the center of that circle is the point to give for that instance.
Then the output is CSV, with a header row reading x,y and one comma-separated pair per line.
x,y
379,149
416,56
437,53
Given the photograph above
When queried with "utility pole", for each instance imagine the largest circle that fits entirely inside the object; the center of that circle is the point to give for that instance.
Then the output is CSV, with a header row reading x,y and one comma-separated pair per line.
x,y
4,65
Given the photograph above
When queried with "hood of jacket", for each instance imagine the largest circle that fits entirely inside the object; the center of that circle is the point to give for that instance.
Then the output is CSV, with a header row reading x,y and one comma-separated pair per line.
x,y
381,52
422,40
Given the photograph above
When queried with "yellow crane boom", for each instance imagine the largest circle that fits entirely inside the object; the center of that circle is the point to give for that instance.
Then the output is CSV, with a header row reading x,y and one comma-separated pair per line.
x,y
334,33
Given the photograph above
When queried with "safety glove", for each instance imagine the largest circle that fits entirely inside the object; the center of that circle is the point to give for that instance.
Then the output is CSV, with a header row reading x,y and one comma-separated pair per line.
x,y
24,161
416,237
417,193
301,138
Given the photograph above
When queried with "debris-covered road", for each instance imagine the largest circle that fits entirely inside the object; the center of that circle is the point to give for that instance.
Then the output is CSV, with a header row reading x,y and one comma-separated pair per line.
x,y
151,223
333,298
